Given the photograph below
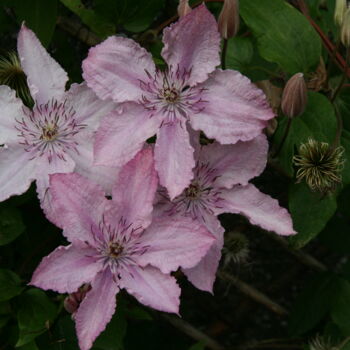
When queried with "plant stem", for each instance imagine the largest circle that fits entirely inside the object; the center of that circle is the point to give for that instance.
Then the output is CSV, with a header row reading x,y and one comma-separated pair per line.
x,y
286,132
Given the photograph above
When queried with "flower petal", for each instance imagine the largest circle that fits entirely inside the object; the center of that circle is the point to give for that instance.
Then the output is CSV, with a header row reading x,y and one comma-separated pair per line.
x,y
17,171
135,188
173,242
174,157
78,206
203,275
123,133
66,269
235,109
193,44
238,163
115,68
259,208
96,310
11,109
88,107
46,78
151,287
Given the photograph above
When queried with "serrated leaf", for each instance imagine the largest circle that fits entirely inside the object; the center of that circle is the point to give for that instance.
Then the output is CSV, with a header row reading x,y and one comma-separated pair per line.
x,y
39,15
10,285
310,213
35,313
283,34
11,224
313,303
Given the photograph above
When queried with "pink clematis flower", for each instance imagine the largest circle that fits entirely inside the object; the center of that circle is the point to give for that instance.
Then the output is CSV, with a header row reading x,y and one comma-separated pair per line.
x,y
223,104
115,244
220,185
56,134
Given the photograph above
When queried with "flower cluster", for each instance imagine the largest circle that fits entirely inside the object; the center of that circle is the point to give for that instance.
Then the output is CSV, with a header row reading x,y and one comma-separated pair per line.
x,y
133,212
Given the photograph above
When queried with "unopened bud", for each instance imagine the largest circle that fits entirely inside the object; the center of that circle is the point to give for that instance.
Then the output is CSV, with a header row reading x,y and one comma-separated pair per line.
x,y
73,300
294,97
229,19
340,9
345,29
184,8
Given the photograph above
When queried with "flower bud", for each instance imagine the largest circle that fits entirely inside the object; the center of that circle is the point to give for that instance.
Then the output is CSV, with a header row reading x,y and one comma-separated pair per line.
x,y
184,8
294,97
228,21
345,29
73,300
340,9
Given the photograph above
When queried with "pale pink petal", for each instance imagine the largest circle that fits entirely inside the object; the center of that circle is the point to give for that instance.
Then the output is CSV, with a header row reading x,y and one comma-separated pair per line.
x,y
203,275
174,242
123,133
66,269
17,171
235,109
78,206
238,163
135,189
89,109
193,44
11,109
84,164
174,157
115,68
259,208
96,310
46,78
151,287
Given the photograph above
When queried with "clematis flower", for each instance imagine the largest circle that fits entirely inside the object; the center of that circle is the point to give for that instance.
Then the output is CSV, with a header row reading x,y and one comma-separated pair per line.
x,y
223,104
115,244
221,185
56,134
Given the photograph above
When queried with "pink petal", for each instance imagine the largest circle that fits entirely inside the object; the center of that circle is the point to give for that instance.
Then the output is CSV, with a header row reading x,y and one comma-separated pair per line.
x,y
174,157
78,206
151,287
17,171
174,242
203,275
259,208
46,78
235,110
115,68
193,44
66,269
135,189
11,109
123,133
96,310
88,107
238,163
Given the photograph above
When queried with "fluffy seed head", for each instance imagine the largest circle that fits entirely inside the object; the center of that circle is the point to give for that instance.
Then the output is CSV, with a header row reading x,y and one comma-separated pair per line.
x,y
236,248
320,165
321,343
228,21
294,97
340,9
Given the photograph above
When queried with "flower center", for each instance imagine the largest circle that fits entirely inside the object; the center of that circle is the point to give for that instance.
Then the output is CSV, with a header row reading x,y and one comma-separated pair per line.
x,y
115,250
49,130
170,95
193,191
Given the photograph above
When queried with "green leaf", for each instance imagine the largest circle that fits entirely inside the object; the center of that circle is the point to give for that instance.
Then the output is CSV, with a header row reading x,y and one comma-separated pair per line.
x,y
30,346
39,15
313,303
136,16
35,313
100,25
318,122
10,285
341,307
345,142
310,213
283,34
198,346
11,224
